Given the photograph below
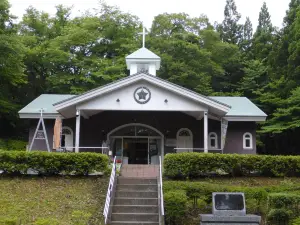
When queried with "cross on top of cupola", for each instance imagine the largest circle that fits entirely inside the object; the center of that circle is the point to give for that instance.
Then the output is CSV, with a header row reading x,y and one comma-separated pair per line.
x,y
143,60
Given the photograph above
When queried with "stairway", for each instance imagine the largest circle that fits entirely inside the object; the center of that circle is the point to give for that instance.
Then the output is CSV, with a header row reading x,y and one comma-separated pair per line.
x,y
136,197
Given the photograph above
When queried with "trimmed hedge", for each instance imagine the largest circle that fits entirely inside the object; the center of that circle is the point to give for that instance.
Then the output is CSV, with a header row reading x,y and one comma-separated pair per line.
x,y
175,206
192,165
16,162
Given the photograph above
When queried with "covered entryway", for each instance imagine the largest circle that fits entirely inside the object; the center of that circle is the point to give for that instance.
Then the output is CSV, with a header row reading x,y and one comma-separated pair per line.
x,y
136,143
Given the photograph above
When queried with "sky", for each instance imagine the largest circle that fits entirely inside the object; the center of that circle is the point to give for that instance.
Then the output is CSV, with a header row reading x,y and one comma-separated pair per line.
x,y
147,10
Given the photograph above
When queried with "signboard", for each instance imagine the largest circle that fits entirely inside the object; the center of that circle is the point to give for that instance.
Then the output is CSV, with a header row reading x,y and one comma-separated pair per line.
x,y
224,126
229,204
171,142
40,134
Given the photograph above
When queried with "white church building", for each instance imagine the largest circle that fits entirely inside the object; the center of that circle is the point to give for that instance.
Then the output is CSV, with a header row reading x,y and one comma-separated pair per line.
x,y
142,116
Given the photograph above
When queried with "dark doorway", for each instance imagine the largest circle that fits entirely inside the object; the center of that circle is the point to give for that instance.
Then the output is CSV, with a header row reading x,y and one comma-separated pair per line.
x,y
136,149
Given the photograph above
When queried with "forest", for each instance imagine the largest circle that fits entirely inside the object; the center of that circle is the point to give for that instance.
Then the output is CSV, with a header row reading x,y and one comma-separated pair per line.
x,y
42,53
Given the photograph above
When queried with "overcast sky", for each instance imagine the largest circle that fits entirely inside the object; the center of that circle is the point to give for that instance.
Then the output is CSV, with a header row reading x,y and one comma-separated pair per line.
x,y
146,10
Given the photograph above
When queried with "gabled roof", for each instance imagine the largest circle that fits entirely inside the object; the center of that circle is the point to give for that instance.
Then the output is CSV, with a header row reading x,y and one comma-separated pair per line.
x,y
44,101
142,53
149,78
236,108
242,107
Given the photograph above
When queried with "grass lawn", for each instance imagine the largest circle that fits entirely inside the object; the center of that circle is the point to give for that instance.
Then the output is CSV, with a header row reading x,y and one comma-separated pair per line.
x,y
52,200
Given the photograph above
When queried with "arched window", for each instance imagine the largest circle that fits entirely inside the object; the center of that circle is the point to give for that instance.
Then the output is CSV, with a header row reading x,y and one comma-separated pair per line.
x,y
184,140
67,138
247,141
212,140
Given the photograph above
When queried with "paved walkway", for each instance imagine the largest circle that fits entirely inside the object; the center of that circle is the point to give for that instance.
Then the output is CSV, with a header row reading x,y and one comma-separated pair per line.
x,y
140,171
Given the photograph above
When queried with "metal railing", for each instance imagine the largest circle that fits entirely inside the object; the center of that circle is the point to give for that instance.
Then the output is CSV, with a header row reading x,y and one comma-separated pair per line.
x,y
110,190
102,150
161,195
211,150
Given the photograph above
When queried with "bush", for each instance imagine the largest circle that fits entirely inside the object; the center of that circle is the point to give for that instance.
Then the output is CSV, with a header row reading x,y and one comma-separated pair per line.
x,y
283,200
175,206
278,217
296,221
16,162
12,145
192,165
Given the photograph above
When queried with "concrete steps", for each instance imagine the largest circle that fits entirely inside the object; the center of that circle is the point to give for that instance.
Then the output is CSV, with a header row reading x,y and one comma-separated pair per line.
x,y
136,200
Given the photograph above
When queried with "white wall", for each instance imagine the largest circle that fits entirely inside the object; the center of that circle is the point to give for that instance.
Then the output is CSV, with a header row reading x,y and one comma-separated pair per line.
x,y
127,102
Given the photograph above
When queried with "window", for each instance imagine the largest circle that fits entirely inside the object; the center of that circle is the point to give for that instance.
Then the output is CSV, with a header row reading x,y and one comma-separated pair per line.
x,y
213,140
184,140
247,141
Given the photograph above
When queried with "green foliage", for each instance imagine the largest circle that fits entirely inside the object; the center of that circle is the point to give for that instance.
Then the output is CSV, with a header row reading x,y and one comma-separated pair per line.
x,y
188,165
175,205
296,221
16,162
278,217
12,145
284,200
261,195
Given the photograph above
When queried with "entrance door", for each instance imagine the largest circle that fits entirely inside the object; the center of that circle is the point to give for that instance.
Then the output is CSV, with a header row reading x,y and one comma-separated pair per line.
x,y
136,149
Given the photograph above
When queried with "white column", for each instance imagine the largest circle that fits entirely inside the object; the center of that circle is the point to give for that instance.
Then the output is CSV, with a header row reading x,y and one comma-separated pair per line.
x,y
77,135
205,118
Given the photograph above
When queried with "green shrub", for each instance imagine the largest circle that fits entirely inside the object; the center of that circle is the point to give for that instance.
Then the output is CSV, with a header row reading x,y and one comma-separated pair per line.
x,y
192,165
278,217
283,200
13,145
16,162
296,221
175,206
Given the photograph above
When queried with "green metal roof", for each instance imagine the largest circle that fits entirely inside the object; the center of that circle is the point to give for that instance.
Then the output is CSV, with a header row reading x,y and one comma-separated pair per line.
x,y
240,106
44,101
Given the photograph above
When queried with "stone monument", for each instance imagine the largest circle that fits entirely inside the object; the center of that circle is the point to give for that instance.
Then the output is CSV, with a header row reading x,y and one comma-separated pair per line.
x,y
229,208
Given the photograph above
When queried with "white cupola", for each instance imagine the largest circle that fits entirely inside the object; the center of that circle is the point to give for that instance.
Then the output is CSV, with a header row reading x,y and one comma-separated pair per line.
x,y
143,60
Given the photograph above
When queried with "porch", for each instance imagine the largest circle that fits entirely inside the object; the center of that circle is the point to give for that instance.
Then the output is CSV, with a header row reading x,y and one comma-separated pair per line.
x,y
141,137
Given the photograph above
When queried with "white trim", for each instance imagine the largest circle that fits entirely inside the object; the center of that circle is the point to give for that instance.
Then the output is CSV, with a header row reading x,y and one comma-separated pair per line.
x,y
250,139
205,131
215,138
161,137
135,124
187,129
246,118
125,82
179,138
77,135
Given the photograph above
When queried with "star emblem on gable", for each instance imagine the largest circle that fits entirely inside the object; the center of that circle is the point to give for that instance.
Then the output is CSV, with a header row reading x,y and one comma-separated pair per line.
x,y
142,95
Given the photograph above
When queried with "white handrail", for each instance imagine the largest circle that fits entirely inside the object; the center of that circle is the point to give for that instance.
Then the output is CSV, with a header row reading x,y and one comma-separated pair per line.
x,y
161,188
110,190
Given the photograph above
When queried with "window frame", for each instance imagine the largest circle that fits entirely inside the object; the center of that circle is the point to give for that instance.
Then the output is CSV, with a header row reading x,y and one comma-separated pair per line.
x,y
216,140
250,138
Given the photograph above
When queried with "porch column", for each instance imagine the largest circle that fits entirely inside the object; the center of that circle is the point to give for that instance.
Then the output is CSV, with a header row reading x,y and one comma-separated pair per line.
x,y
205,118
77,135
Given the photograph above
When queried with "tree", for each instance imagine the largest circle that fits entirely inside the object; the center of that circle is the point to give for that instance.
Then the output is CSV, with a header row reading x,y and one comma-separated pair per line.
x,y
11,68
230,30
263,37
246,43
